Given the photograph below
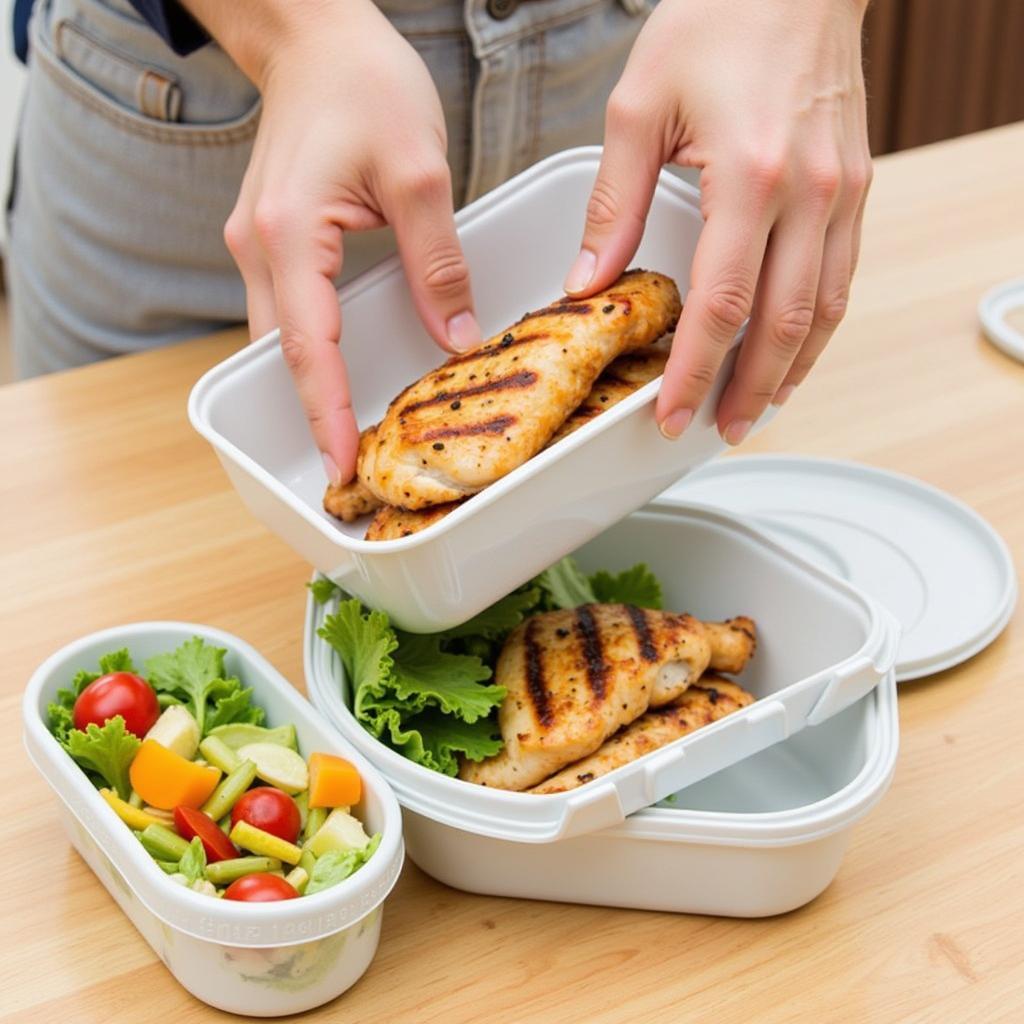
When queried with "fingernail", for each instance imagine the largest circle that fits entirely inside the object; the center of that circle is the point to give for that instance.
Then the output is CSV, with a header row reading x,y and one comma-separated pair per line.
x,y
582,272
464,332
736,431
675,423
782,395
331,469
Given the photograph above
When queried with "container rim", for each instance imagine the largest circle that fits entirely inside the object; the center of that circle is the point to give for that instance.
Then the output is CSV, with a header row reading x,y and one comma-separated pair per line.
x,y
204,392
284,923
507,815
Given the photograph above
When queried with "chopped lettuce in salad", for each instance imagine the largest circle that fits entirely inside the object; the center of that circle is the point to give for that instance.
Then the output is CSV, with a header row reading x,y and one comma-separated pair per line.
x,y
222,803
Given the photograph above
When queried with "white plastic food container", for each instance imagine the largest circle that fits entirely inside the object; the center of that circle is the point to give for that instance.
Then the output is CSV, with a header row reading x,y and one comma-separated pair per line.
x,y
822,645
763,837
519,240
260,960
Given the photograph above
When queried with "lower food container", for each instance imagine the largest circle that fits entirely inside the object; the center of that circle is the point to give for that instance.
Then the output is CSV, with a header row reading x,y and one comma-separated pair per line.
x,y
762,837
822,645
257,959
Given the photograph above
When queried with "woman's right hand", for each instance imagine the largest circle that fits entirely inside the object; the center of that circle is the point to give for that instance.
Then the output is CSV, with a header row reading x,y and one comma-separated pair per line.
x,y
351,137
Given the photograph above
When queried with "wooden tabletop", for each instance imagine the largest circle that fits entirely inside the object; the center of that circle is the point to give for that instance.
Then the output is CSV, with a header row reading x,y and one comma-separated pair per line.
x,y
113,510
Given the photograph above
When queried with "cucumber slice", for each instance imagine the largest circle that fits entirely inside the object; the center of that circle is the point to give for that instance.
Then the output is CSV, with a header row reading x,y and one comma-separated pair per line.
x,y
279,766
239,734
339,832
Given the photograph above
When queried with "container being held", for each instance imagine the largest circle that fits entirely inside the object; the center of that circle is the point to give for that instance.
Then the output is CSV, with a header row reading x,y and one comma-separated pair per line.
x,y
822,645
540,511
257,959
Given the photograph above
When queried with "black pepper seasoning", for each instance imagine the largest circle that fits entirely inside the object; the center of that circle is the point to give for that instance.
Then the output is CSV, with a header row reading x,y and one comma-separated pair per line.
x,y
437,446
608,309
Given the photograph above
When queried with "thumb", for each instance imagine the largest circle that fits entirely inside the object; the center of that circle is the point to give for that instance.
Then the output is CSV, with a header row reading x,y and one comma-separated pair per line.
x,y
619,203
423,217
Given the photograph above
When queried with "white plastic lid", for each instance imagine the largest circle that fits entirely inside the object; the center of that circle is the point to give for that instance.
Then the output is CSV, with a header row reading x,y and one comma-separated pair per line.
x,y
992,310
932,561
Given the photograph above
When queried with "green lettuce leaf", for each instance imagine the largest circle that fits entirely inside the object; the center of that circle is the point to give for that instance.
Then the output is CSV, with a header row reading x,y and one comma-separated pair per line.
x,y
323,589
106,752
194,674
193,861
500,618
638,586
335,865
61,710
565,585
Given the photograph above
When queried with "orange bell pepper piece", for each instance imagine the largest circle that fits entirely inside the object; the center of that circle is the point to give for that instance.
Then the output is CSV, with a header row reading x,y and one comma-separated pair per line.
x,y
167,780
333,782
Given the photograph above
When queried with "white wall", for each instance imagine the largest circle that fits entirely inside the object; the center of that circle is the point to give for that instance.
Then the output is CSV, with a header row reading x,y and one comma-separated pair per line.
x,y
12,81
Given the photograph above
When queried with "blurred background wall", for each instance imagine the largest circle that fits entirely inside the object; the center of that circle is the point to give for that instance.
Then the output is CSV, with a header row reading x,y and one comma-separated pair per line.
x,y
940,68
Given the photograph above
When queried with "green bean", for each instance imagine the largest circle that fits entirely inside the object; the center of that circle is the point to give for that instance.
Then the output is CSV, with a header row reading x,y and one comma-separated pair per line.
x,y
135,800
223,872
306,861
302,802
264,844
317,816
162,844
223,798
297,879
168,867
219,754
225,824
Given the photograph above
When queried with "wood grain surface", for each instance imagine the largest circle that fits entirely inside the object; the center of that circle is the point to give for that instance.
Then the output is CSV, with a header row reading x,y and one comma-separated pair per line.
x,y
113,510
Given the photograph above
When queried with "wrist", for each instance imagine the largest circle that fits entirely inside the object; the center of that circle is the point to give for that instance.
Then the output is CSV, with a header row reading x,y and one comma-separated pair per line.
x,y
257,34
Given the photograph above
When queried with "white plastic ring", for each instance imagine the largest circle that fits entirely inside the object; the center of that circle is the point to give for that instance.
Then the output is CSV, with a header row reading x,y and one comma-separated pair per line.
x,y
993,308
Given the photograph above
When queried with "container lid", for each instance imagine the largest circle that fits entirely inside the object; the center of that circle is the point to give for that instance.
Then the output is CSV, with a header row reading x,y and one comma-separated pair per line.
x,y
992,310
932,561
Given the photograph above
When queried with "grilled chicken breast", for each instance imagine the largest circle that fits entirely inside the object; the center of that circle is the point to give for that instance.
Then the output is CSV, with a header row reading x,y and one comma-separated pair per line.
x,y
733,644
473,420
574,677
712,697
625,375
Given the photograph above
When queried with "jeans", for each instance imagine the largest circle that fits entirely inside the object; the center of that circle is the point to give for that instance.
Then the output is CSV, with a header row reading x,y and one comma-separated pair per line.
x,y
129,158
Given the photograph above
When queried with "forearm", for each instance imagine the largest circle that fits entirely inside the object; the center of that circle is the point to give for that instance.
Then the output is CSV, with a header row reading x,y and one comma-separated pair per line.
x,y
252,31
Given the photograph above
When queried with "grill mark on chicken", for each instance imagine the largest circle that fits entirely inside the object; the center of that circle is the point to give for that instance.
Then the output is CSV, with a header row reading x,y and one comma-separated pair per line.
x,y
522,379
535,685
575,308
643,633
496,349
597,667
498,425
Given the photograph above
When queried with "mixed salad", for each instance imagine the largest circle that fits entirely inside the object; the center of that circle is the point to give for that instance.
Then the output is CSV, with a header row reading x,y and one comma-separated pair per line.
x,y
222,803
430,697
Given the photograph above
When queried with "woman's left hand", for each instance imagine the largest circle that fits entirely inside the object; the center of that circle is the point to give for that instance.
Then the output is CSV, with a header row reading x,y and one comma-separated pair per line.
x,y
766,97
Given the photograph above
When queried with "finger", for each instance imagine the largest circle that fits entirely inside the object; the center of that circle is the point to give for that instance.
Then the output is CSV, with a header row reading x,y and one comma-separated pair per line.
x,y
722,284
829,307
241,241
304,261
419,207
619,202
780,324
839,261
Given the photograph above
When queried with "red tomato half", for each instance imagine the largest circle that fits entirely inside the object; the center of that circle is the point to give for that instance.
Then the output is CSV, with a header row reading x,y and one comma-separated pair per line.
x,y
269,809
191,823
260,888
119,693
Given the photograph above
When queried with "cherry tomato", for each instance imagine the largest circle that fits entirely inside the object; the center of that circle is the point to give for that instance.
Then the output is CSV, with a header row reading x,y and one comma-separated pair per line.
x,y
269,809
191,823
260,888
119,693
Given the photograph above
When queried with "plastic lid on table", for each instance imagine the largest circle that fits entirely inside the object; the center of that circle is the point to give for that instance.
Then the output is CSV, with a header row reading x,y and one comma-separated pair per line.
x,y
933,562
992,311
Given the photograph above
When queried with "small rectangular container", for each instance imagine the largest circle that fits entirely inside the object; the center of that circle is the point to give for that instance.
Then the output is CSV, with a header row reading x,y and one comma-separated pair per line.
x,y
519,241
260,960
822,646
762,837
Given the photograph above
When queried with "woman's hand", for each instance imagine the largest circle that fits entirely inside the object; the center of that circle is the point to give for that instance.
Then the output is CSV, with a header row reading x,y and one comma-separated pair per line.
x,y
351,137
766,97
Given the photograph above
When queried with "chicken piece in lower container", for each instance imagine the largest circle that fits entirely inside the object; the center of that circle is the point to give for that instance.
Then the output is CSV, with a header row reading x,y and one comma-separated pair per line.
x,y
574,677
706,701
